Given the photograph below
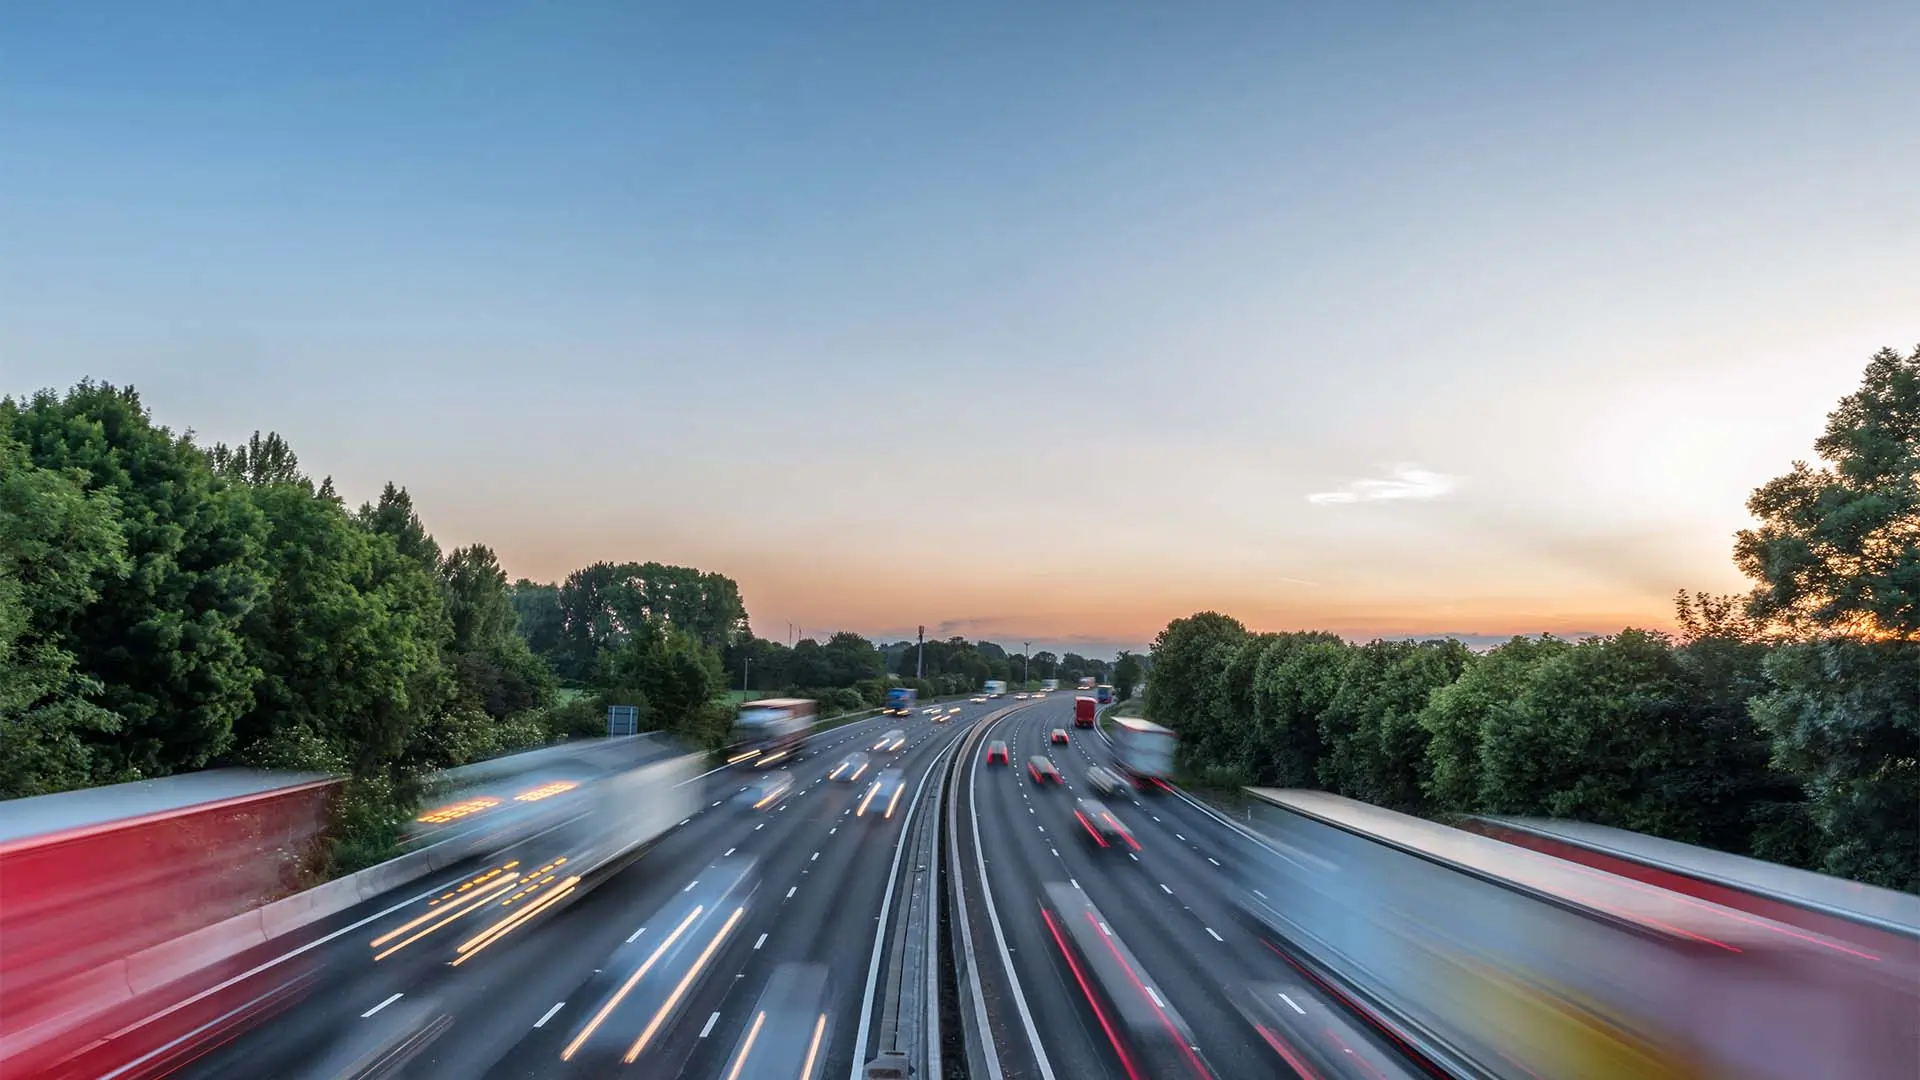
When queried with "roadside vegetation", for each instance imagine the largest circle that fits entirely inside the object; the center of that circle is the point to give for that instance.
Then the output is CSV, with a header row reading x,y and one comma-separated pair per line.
x,y
1784,724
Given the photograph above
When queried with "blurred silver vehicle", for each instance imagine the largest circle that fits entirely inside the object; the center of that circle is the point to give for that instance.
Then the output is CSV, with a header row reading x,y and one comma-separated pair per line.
x,y
767,790
883,795
851,768
892,742
1106,781
1106,830
789,1029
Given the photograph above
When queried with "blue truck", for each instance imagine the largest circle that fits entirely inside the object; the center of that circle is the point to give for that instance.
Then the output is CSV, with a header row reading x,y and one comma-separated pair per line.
x,y
900,701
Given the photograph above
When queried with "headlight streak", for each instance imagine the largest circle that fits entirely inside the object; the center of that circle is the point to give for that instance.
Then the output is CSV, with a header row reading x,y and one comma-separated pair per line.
x,y
620,994
746,1048
895,801
471,948
813,1048
673,999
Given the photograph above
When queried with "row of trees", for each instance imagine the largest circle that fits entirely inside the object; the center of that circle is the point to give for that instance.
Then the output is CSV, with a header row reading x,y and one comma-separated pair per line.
x,y
1784,724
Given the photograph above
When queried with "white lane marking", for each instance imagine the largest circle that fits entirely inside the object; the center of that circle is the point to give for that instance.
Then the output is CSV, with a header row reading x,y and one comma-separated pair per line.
x,y
1296,1008
729,851
1155,817
1213,860
760,826
382,1005
833,830
1155,997
548,1015
690,885
1180,838
635,936
1213,935
999,934
1056,852
816,857
791,890
1132,856
1164,889
716,803
708,1030
757,944
1076,882
683,821
1259,894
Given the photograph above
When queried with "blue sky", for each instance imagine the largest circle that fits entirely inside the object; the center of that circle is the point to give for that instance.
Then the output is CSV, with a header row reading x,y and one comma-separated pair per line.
x,y
1025,321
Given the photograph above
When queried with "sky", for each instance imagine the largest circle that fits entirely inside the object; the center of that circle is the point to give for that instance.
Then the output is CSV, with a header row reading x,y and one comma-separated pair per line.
x,y
1048,322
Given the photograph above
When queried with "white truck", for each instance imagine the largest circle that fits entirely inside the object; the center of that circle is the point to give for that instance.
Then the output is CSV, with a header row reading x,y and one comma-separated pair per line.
x,y
1142,749
996,687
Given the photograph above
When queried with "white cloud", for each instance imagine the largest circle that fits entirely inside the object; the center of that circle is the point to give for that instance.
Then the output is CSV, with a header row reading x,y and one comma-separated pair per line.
x,y
1407,482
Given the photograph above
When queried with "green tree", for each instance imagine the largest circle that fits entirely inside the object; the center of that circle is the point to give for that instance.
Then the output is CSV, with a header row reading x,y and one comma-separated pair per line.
x,y
1127,673
1294,682
1458,715
493,666
163,640
539,618
58,544
677,677
1186,657
1845,720
1376,747
1838,548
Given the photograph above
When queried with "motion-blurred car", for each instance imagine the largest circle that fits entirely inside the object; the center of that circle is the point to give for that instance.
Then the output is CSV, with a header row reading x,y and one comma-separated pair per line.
x,y
788,1032
1105,829
1019,697
883,795
1059,737
892,741
980,699
1106,781
1040,767
851,768
953,710
766,790
996,753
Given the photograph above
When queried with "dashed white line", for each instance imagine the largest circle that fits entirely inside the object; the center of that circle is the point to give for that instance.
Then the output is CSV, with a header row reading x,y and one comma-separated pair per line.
x,y
708,1030
757,944
1182,839
760,826
791,890
1296,1008
816,857
690,885
548,1015
1164,889
1155,997
382,1005
1213,860
635,936
1213,935
683,821
729,851
1076,882
717,802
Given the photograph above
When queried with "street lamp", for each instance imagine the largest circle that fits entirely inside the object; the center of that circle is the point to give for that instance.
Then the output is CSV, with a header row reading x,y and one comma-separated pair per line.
x,y
746,665
1026,657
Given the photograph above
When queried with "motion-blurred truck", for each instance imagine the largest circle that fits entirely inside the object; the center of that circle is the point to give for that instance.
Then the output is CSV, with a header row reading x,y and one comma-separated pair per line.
x,y
996,687
900,701
1142,749
769,730
1084,709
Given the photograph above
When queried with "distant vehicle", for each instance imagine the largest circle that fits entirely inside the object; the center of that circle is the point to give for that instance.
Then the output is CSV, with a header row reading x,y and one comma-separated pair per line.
x,y
900,701
1084,709
1143,750
768,790
790,1023
1049,684
1103,694
996,687
1100,823
1106,781
892,742
771,730
1040,767
1086,683
883,795
996,753
978,699
850,768
1059,736
1019,697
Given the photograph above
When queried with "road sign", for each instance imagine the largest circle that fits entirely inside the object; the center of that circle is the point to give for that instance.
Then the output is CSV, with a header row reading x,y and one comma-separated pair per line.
x,y
623,720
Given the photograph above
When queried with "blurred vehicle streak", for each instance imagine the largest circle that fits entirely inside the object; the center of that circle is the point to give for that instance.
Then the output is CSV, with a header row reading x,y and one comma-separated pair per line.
x,y
1529,967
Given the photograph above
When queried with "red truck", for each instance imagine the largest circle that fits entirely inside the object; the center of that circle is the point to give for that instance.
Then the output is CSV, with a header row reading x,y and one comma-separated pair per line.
x,y
124,908
1084,709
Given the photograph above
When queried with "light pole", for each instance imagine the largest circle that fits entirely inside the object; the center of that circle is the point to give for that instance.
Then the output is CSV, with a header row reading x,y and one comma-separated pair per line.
x,y
746,665
1026,657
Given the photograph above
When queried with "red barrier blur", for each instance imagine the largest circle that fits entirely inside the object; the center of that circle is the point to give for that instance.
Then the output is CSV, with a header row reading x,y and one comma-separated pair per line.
x,y
122,911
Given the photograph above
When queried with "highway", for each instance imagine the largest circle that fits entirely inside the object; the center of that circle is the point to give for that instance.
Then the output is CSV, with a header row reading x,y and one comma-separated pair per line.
x,y
418,1004
1173,905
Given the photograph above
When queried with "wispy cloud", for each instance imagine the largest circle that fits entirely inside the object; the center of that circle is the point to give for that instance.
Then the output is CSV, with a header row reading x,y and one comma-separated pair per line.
x,y
1405,482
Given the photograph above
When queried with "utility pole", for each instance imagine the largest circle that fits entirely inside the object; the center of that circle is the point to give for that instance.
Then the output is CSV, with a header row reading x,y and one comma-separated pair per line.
x,y
920,654
746,665
1026,657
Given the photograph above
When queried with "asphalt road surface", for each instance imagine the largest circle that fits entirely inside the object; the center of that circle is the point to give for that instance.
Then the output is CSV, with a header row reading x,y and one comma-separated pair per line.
x,y
434,1005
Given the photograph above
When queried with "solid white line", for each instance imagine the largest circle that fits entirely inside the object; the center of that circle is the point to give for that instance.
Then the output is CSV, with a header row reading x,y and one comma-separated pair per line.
x,y
382,1005
1000,935
1213,935
548,1015
859,1069
708,1030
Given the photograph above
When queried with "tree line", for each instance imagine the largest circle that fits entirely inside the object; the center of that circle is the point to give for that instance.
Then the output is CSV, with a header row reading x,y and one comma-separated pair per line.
x,y
1784,723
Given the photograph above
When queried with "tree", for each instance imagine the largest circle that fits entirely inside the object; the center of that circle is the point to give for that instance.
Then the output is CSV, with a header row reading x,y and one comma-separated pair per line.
x,y
163,640
59,543
1458,715
673,675
1126,675
1294,682
1845,719
1185,656
1838,548
1375,746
